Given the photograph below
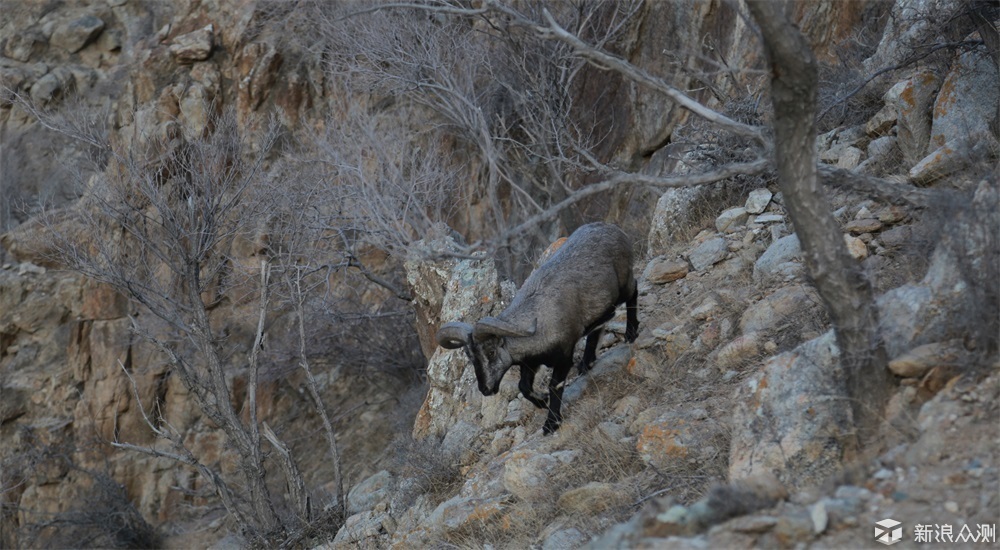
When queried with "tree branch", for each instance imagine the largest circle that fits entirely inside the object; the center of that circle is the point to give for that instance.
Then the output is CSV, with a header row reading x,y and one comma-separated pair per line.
x,y
728,171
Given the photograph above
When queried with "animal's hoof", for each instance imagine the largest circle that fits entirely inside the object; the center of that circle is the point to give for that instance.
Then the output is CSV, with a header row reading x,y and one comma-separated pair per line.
x,y
549,428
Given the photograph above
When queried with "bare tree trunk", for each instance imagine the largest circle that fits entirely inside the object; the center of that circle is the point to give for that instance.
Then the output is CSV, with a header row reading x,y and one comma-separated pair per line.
x,y
331,435
845,290
246,439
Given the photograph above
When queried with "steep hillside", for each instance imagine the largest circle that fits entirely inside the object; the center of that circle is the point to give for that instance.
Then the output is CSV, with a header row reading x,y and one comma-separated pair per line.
x,y
407,169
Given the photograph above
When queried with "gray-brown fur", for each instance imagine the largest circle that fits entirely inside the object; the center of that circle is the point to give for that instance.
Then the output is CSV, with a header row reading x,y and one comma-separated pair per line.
x,y
571,295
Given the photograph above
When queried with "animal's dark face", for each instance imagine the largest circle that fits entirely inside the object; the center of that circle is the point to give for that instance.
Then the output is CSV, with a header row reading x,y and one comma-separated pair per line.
x,y
491,360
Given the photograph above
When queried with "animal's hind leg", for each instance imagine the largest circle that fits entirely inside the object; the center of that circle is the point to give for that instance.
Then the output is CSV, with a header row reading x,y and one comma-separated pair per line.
x,y
590,351
632,316
556,384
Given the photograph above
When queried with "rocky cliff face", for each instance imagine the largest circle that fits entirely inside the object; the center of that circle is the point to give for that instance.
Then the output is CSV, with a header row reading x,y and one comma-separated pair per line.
x,y
702,398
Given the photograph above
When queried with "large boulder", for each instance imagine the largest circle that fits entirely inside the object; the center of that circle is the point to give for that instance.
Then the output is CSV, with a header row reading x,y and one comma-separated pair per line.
x,y
967,100
780,260
790,419
912,99
75,34
958,297
472,291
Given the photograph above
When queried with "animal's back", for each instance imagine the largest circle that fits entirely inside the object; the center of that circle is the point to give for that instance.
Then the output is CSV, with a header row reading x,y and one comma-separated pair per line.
x,y
577,274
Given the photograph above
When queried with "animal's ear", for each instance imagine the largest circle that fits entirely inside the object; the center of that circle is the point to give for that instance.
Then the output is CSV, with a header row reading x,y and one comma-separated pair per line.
x,y
454,335
492,326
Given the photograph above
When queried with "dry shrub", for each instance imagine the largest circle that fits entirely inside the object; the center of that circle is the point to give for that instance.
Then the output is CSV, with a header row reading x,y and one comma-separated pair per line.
x,y
434,473
101,515
516,527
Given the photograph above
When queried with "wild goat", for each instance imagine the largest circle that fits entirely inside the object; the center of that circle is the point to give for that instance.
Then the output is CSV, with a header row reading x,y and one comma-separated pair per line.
x,y
572,294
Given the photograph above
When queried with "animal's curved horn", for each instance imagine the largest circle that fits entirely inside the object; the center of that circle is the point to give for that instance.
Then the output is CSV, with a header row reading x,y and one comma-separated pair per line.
x,y
454,335
493,326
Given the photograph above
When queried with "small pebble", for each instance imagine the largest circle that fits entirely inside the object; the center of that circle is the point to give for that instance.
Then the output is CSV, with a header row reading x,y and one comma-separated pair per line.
x,y
884,474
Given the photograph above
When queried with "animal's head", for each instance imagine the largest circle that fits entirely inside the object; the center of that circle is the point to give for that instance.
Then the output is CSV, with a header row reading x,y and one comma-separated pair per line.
x,y
486,345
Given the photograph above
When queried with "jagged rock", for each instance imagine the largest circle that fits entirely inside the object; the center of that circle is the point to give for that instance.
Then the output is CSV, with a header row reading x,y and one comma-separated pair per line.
x,y
707,309
839,141
22,46
526,474
427,281
910,23
671,341
758,200
15,403
459,512
723,502
891,214
787,303
882,147
789,420
193,46
856,247
52,86
730,219
29,303
594,498
361,527
102,302
671,439
194,110
864,225
472,291
793,528
769,218
779,260
883,121
921,359
660,270
849,158
967,100
677,206
258,65
742,349
820,517
883,156
896,237
955,155
371,491
564,538
956,297
708,253
665,225
74,35
913,98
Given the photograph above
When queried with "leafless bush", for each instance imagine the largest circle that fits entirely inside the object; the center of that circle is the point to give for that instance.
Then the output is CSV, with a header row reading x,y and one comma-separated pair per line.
x,y
101,516
490,105
432,472
160,224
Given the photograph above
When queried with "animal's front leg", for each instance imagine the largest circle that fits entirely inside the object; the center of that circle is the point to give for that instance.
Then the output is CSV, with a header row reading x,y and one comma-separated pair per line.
x,y
556,385
527,386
